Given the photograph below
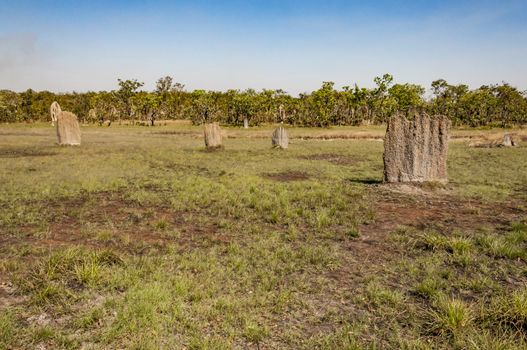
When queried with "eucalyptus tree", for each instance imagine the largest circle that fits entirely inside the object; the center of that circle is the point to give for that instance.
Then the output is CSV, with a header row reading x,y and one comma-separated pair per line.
x,y
378,99
9,102
407,97
127,90
172,98
26,105
205,106
446,100
477,107
242,106
163,102
104,105
511,105
353,104
323,104
146,106
80,104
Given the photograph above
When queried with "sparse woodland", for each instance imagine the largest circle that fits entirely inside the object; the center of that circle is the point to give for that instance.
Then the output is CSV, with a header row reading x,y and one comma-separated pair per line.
x,y
495,105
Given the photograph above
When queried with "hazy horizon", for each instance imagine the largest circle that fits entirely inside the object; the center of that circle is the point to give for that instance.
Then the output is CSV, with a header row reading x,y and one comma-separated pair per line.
x,y
292,45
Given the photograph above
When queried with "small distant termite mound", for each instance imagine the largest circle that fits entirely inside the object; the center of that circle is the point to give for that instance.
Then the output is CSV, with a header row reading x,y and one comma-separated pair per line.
x,y
280,138
68,130
416,150
213,136
54,110
508,140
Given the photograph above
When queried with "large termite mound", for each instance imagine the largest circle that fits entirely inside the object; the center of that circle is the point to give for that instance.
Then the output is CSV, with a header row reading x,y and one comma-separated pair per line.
x,y
280,138
68,130
212,136
416,150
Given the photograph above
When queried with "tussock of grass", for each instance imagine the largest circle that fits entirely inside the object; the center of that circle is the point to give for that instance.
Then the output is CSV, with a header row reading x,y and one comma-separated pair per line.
x,y
489,340
254,333
450,316
510,311
510,246
455,245
379,295
56,278
429,287
433,241
7,329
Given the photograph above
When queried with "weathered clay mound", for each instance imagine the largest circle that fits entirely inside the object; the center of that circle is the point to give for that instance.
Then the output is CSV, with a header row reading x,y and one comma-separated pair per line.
x,y
68,130
213,136
416,150
54,110
280,138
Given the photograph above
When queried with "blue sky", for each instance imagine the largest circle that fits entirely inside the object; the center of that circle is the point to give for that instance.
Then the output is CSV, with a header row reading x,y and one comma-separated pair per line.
x,y
288,44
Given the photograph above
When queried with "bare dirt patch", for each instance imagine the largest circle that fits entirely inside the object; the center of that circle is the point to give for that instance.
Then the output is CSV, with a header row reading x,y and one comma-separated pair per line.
x,y
106,220
8,295
337,159
287,176
426,209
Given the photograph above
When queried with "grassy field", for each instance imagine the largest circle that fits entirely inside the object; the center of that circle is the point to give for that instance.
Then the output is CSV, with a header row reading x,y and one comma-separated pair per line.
x,y
141,239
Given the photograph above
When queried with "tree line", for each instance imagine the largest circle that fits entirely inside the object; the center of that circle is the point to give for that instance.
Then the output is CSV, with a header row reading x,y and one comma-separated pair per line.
x,y
489,105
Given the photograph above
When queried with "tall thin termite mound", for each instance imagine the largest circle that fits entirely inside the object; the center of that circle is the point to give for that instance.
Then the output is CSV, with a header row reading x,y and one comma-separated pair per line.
x,y
54,110
213,136
68,130
416,150
280,138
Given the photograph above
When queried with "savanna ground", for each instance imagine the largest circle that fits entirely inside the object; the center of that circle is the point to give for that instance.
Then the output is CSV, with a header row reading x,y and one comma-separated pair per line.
x,y
141,239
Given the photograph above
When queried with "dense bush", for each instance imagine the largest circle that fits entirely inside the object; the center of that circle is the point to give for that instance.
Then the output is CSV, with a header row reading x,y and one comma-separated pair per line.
x,y
499,105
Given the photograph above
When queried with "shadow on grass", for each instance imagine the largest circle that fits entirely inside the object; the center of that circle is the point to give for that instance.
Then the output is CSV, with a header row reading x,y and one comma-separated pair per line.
x,y
366,181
